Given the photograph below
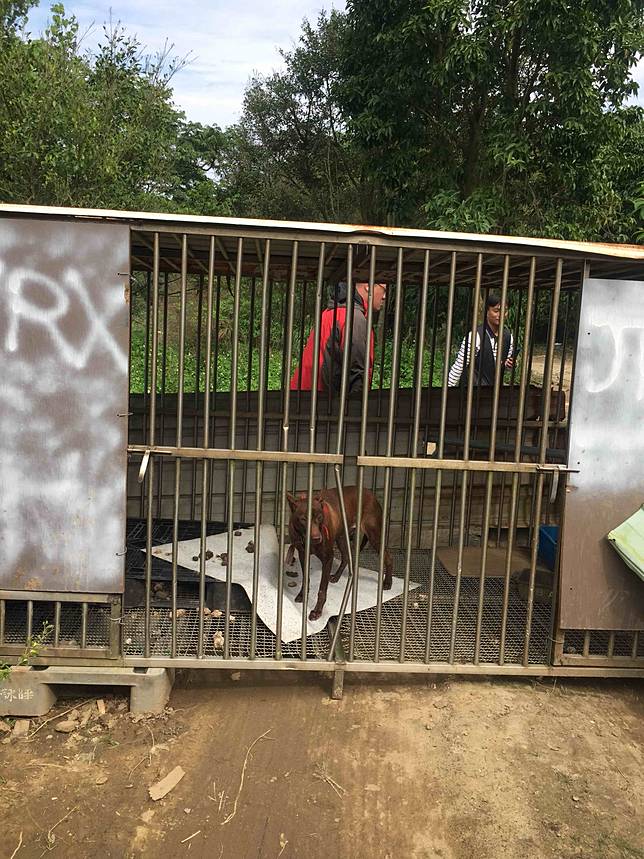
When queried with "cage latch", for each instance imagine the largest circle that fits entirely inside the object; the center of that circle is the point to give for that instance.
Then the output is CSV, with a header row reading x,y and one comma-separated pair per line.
x,y
144,465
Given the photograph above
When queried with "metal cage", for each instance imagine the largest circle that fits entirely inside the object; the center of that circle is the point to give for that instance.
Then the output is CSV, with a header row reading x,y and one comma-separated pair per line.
x,y
472,478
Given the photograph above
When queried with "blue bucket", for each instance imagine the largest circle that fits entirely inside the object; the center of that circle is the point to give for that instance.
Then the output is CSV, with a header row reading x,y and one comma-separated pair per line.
x,y
547,550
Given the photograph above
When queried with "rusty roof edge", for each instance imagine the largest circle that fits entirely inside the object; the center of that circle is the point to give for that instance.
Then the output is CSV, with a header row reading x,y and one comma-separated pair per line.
x,y
621,251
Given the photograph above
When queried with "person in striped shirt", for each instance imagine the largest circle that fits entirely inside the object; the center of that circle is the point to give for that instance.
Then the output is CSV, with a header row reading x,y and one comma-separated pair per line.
x,y
486,347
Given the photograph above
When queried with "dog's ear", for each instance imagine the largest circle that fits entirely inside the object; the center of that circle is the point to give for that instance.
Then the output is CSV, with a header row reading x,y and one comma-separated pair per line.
x,y
292,501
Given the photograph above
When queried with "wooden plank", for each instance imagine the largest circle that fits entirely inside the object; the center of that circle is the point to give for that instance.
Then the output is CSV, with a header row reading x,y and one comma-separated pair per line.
x,y
495,562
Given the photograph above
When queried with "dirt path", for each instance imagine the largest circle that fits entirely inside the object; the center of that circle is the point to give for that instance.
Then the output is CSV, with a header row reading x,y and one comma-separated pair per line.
x,y
448,768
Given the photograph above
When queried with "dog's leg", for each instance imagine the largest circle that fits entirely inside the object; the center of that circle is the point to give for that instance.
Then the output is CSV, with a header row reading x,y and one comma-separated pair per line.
x,y
388,571
324,584
373,532
344,554
300,596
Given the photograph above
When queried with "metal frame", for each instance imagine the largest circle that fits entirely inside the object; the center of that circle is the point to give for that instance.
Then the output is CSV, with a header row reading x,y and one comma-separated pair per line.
x,y
284,261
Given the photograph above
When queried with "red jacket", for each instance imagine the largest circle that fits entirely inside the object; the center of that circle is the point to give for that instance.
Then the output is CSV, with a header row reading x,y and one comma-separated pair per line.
x,y
332,347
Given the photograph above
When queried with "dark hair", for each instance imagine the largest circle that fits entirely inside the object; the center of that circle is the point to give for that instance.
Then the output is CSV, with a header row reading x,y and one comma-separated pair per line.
x,y
493,300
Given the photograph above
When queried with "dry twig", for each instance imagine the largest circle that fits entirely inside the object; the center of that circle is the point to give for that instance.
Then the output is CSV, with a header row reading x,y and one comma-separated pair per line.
x,y
322,774
58,716
52,838
18,847
243,772
190,837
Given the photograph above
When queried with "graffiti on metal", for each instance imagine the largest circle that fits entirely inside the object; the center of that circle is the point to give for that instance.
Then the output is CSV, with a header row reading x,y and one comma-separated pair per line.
x,y
63,385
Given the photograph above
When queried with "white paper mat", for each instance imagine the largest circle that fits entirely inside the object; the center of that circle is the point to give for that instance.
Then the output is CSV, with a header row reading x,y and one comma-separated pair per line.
x,y
242,574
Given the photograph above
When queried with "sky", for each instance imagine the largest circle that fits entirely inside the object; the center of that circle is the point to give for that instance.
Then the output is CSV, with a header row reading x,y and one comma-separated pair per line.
x,y
226,40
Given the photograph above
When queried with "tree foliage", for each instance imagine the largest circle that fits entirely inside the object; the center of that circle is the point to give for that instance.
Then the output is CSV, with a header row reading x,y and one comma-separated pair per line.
x,y
499,115
290,156
505,116
94,129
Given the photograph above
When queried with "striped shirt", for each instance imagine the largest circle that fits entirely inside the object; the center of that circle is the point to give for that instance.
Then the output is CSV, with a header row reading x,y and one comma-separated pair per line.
x,y
457,367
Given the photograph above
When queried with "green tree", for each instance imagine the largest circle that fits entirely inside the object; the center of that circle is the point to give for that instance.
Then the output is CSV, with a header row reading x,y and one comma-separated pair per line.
x,y
499,115
290,155
96,129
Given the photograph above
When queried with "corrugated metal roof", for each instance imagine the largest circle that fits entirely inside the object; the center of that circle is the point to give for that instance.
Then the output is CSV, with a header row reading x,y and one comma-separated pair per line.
x,y
602,249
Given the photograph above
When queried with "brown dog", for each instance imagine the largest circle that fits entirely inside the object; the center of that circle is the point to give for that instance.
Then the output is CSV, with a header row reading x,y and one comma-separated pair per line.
x,y
327,532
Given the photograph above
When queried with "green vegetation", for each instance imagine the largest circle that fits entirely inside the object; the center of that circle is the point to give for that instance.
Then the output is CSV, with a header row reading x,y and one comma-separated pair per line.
x,y
509,116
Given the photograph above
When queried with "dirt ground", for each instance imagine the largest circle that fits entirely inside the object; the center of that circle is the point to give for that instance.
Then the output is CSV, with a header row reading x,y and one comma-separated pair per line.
x,y
426,767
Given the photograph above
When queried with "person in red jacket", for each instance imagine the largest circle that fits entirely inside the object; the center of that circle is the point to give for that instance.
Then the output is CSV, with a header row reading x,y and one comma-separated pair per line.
x,y
332,342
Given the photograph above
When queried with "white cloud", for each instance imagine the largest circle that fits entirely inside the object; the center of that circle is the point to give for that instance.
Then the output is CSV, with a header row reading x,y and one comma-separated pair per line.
x,y
226,41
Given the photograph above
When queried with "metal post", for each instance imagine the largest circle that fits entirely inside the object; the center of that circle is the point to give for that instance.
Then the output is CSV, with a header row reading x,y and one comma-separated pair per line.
x,y
230,487
523,383
152,442
312,431
259,465
543,444
205,465
498,378
286,366
393,389
441,448
366,380
420,347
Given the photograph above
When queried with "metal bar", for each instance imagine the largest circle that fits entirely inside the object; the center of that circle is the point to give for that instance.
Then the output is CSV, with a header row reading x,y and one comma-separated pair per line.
x,y
462,400
542,455
470,353
508,416
230,486
30,619
416,385
146,362
151,441
286,403
393,386
251,338
312,430
611,644
362,445
510,670
230,454
382,333
420,348
205,474
430,386
215,382
177,464
259,468
461,465
49,596
635,644
299,387
196,416
330,392
523,384
84,625
498,379
344,386
57,606
440,452
164,378
586,648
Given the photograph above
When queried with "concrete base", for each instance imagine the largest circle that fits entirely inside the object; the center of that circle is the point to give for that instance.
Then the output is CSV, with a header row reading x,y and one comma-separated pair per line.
x,y
28,692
